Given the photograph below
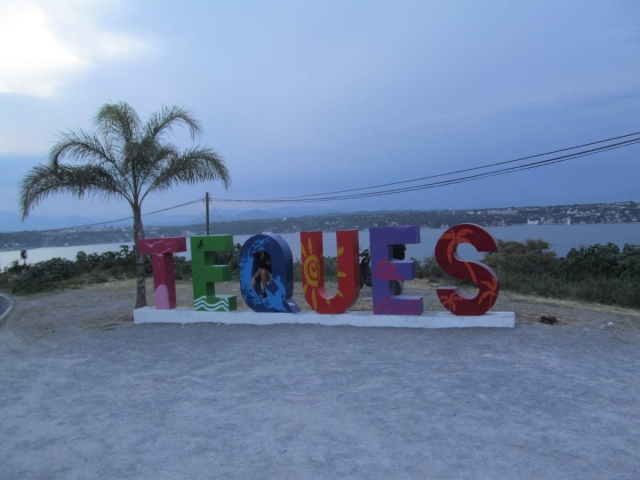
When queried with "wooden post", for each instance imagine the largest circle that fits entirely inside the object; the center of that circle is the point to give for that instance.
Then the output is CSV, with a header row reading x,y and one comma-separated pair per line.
x,y
206,200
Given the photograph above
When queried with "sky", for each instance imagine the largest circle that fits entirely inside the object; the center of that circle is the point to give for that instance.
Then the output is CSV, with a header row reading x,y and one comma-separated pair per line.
x,y
306,97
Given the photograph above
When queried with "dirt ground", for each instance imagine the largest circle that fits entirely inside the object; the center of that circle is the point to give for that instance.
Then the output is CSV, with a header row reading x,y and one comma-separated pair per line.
x,y
50,311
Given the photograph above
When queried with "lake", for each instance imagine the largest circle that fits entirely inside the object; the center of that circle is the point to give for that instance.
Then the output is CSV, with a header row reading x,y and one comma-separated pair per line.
x,y
561,237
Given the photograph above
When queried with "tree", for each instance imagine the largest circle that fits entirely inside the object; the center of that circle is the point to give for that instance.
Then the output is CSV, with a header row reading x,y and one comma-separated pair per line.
x,y
127,160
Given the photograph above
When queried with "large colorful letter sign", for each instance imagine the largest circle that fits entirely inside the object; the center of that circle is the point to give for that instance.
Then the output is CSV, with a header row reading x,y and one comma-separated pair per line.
x,y
313,272
384,270
278,293
205,273
488,284
164,277
276,296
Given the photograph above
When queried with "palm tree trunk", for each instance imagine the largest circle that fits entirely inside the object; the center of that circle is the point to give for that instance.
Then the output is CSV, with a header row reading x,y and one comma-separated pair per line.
x,y
138,234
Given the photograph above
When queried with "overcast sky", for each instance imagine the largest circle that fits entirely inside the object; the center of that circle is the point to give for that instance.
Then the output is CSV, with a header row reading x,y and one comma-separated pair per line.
x,y
312,96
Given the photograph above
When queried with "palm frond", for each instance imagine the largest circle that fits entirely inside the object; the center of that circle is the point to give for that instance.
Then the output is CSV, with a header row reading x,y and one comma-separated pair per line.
x,y
43,181
118,120
153,160
81,146
167,118
195,165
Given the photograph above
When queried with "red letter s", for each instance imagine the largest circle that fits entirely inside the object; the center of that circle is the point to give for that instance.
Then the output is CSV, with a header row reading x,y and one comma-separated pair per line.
x,y
483,276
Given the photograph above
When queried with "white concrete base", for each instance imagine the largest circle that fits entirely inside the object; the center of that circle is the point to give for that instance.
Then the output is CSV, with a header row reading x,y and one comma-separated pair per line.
x,y
355,319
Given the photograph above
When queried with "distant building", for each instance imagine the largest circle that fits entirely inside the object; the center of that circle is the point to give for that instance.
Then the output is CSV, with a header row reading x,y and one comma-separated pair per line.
x,y
533,222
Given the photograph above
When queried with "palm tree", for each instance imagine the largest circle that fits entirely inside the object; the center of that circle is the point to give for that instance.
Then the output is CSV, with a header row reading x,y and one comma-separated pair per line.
x,y
124,159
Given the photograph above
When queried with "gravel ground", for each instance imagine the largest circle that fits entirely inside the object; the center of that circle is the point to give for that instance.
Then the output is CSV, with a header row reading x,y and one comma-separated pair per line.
x,y
108,305
84,393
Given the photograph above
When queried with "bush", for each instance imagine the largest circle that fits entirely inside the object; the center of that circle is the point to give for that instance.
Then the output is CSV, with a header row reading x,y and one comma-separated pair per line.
x,y
595,261
87,268
609,291
596,273
531,257
630,263
16,268
43,275
182,267
117,264
227,258
428,269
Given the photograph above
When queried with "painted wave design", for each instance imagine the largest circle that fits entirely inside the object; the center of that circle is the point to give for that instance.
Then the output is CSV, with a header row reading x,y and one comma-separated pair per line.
x,y
222,305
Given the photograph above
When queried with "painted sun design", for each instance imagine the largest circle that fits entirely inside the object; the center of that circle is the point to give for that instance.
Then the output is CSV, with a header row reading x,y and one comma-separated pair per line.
x,y
311,273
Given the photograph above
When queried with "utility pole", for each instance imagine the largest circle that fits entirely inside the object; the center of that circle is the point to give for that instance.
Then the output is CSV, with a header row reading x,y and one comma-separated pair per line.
x,y
206,201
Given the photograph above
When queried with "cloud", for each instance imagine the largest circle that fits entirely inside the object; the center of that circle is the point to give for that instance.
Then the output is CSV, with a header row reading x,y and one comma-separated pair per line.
x,y
46,43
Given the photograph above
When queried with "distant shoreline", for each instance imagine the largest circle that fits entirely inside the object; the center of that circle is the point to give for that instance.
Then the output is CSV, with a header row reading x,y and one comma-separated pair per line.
x,y
200,227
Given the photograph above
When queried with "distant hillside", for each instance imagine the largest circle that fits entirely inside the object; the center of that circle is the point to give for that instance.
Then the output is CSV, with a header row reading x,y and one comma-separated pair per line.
x,y
11,222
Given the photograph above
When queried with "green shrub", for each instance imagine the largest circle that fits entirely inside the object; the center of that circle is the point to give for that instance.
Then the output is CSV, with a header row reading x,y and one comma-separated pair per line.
x,y
596,273
118,263
16,268
44,275
609,291
630,263
594,261
226,258
182,267
87,268
531,257
428,268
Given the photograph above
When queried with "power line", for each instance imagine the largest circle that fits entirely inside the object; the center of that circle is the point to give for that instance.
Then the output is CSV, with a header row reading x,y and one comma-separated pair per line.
x,y
468,169
504,171
472,177
121,219
306,199
171,208
217,213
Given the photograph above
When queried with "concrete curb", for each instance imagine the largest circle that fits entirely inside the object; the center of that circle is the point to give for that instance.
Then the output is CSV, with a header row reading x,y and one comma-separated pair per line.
x,y
6,313
354,319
